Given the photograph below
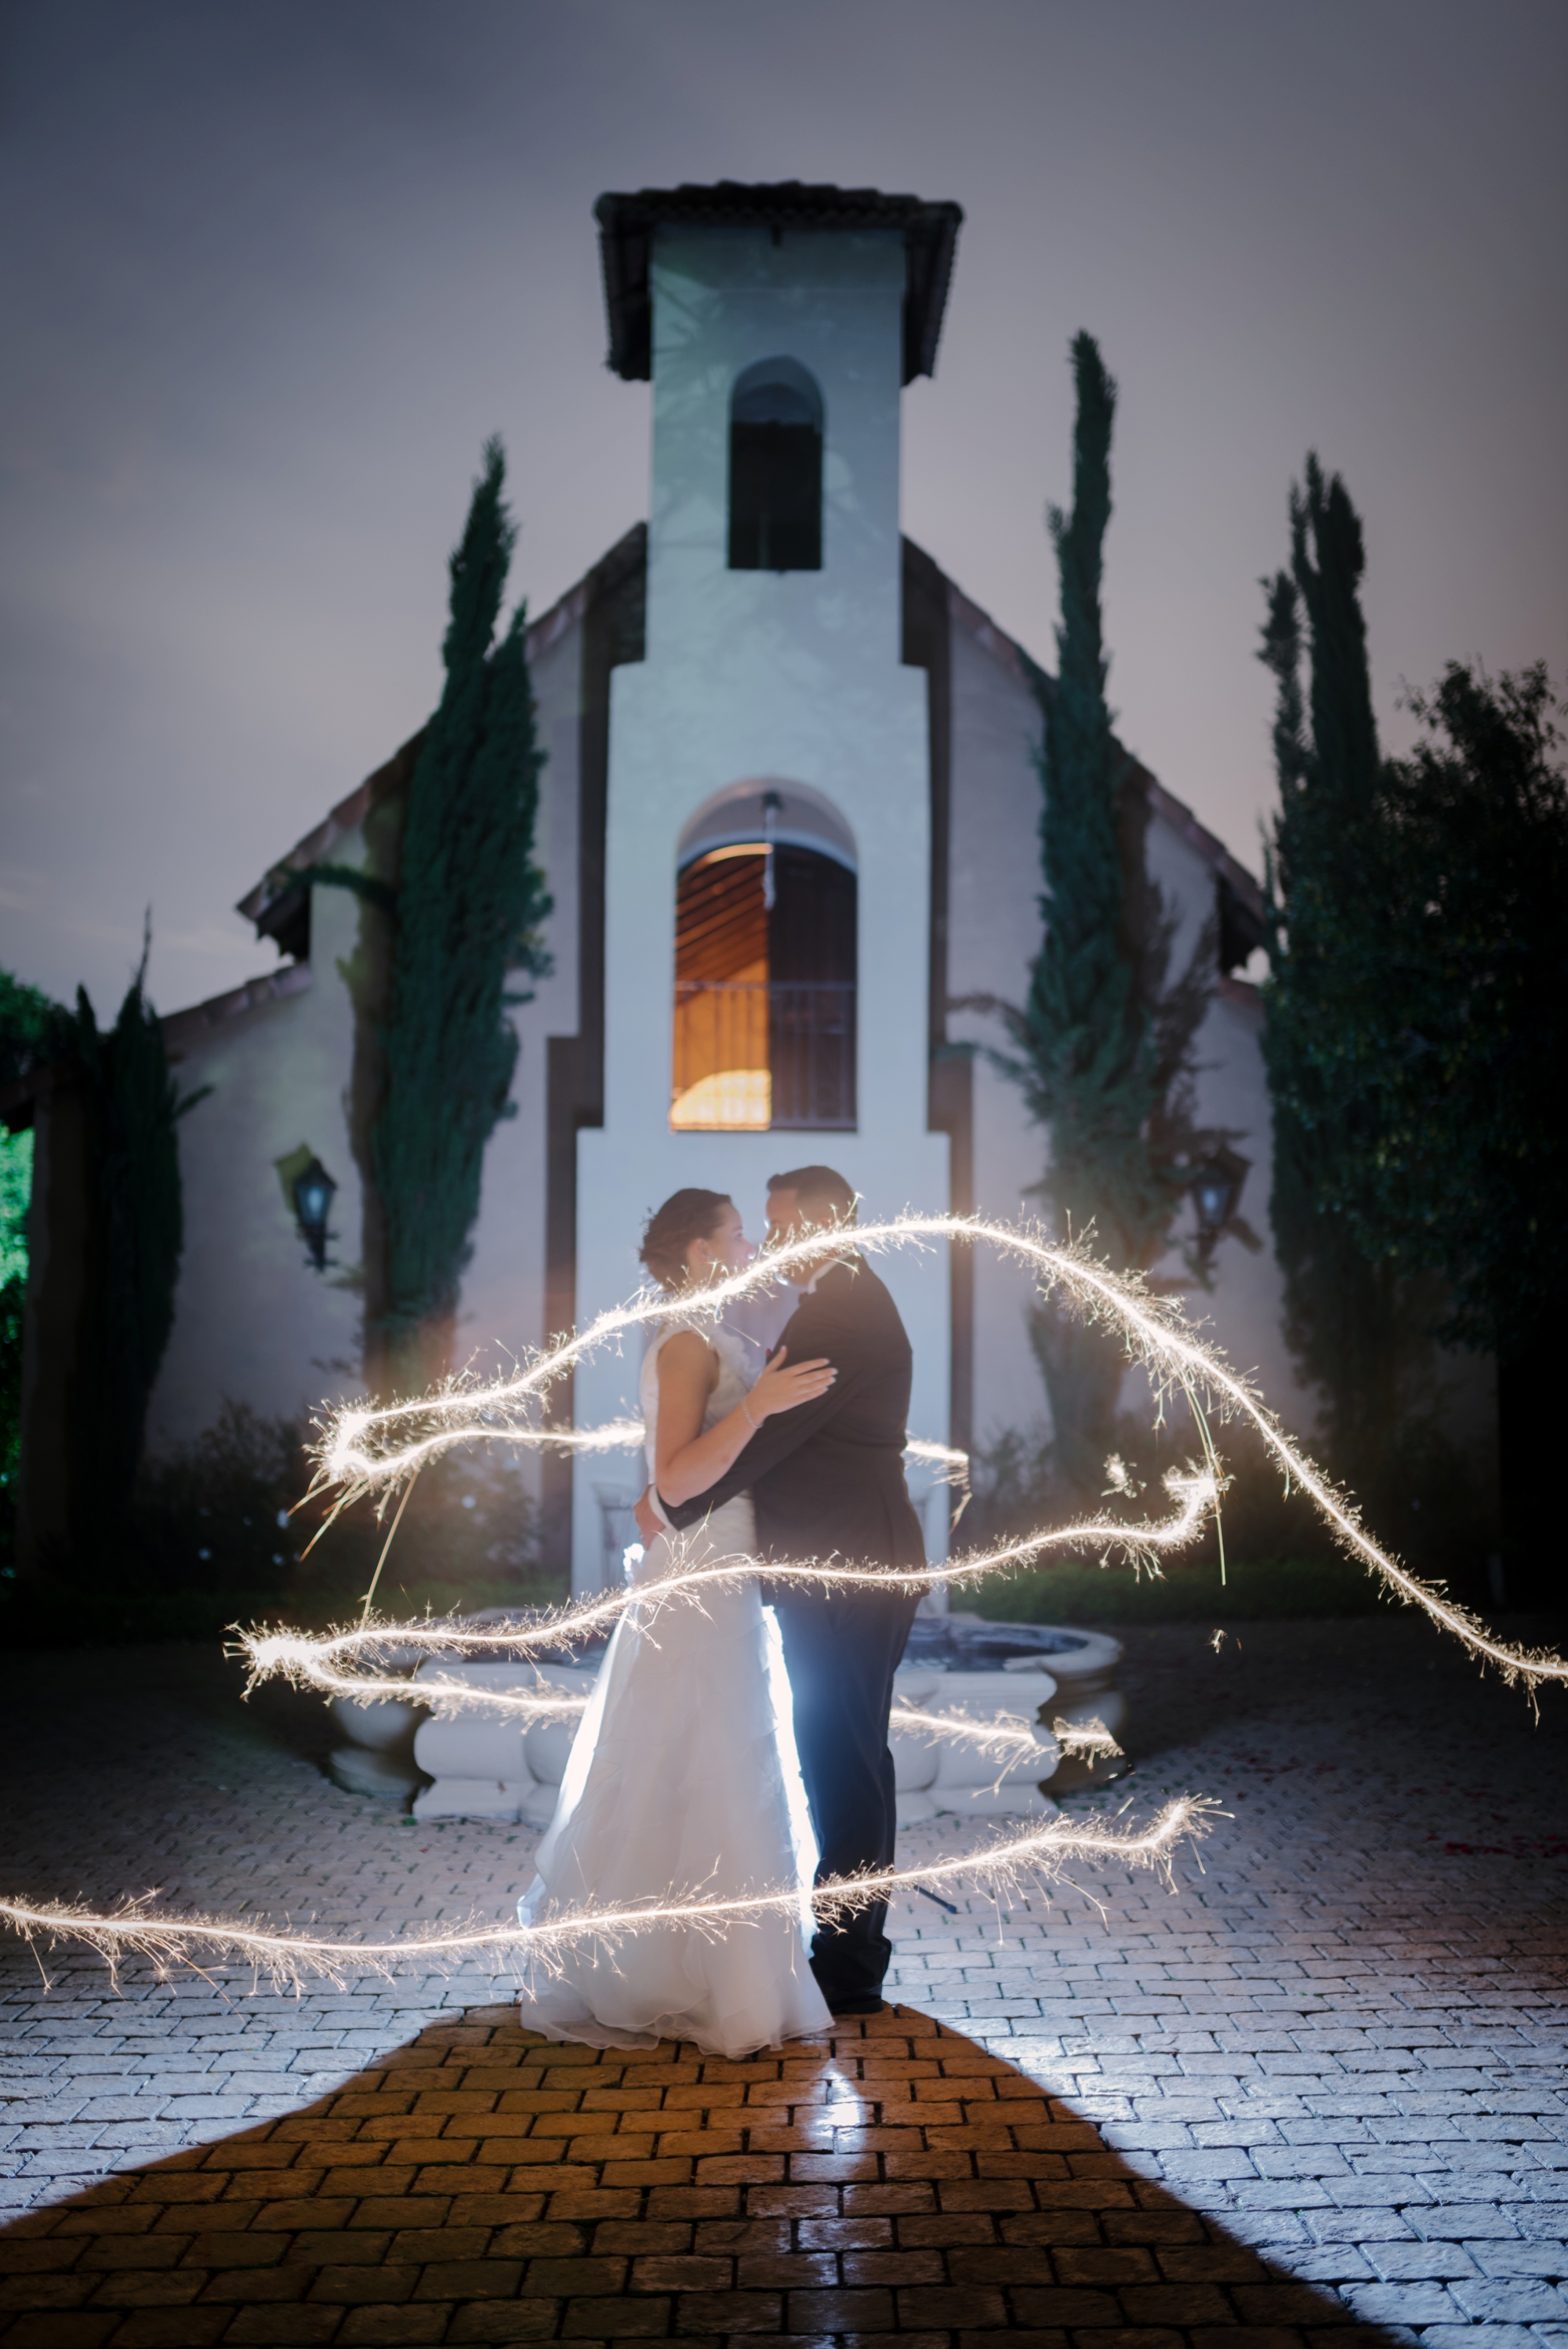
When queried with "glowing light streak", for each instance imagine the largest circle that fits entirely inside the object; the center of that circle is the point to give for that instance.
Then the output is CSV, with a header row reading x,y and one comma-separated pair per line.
x,y
615,1435
316,1661
630,1435
920,1447
1087,1738
291,1957
1002,1736
1007,1738
368,1449
377,1451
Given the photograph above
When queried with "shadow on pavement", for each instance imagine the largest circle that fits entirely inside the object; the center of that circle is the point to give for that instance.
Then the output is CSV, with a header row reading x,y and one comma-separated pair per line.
x,y
478,2184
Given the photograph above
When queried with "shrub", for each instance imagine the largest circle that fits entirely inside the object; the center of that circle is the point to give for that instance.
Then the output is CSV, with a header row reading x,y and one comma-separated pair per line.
x,y
220,1530
1433,1507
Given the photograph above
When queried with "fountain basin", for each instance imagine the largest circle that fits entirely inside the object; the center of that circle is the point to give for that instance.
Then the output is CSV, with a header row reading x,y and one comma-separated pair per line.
x,y
484,1767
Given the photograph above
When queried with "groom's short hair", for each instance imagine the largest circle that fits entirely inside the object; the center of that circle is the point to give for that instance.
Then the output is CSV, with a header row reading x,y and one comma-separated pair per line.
x,y
819,1189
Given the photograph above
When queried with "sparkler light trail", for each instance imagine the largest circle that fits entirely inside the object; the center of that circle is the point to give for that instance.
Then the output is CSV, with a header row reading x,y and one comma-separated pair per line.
x,y
1004,1737
365,1450
290,1959
630,1435
317,1661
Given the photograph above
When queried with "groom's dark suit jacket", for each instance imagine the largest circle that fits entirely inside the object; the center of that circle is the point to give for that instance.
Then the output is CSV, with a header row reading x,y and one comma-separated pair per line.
x,y
827,1478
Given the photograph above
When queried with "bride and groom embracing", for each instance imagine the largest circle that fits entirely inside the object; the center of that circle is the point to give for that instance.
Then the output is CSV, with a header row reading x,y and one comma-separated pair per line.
x,y
680,1778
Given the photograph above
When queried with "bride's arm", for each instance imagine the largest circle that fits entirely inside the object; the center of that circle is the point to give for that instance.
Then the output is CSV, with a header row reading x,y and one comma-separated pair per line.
x,y
686,1462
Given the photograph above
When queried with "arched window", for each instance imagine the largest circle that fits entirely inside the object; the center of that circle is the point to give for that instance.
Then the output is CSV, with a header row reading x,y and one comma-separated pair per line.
x,y
775,469
765,982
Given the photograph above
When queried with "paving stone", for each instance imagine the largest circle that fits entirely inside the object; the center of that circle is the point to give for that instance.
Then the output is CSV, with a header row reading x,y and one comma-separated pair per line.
x,y
1326,2068
1479,2337
1463,2223
1514,2300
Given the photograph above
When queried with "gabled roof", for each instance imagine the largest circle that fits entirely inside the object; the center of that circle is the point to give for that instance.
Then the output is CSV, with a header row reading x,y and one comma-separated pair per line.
x,y
278,883
269,900
626,226
1173,813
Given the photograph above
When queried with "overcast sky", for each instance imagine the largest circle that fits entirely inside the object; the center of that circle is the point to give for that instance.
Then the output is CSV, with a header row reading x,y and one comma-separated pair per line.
x,y
271,272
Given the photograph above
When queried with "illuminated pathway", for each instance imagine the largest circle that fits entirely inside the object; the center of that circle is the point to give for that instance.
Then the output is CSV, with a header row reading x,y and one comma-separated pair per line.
x,y
1323,2078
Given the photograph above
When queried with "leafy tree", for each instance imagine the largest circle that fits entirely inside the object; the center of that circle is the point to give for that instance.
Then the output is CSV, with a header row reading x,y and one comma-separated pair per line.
x,y
1452,1158
29,1026
1449,1029
29,1022
1102,1043
15,1187
467,900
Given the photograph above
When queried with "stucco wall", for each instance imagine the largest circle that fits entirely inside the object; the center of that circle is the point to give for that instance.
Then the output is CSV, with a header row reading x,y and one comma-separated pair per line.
x,y
994,933
255,1321
1241,1310
502,1312
994,923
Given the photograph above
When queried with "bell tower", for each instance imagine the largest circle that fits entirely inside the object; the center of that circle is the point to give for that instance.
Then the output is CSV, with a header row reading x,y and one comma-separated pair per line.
x,y
767,843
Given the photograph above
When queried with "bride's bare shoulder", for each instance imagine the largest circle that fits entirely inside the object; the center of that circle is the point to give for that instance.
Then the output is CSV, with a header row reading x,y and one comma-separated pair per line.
x,y
687,1354
685,1366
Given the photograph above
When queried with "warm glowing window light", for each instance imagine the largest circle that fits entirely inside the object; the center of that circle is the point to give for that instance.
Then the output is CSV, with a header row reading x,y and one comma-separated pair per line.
x,y
729,1098
722,1075
764,987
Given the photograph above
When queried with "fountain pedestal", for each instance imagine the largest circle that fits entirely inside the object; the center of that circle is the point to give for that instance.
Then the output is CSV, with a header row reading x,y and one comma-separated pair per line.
x,y
485,1766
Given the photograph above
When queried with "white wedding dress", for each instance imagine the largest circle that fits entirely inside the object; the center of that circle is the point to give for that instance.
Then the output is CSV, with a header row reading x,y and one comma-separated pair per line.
x,y
682,1780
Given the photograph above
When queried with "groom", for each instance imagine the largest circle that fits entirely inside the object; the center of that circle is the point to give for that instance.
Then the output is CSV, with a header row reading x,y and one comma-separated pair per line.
x,y
827,1482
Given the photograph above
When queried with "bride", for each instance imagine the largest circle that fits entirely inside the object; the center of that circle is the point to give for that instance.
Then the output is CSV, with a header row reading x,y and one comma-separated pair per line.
x,y
676,1782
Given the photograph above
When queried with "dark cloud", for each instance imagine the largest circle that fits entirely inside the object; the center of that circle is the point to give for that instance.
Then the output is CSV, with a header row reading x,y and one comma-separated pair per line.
x,y
272,272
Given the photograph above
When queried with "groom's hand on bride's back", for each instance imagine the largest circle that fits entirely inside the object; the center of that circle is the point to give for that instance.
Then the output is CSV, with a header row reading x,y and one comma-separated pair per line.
x,y
782,1389
784,1385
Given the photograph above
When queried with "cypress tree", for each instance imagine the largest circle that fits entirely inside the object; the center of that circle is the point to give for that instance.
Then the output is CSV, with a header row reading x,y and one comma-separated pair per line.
x,y
133,1237
1091,1057
1324,525
1101,1045
1343,1316
468,898
135,1234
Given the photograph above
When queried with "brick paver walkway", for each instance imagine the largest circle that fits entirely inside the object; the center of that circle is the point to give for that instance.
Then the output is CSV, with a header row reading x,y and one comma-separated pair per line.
x,y
1317,2084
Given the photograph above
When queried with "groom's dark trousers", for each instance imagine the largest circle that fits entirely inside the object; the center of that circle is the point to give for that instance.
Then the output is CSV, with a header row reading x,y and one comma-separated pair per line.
x,y
826,1481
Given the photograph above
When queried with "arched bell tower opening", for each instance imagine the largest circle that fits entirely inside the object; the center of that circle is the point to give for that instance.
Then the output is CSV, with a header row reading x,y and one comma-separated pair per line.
x,y
775,469
766,956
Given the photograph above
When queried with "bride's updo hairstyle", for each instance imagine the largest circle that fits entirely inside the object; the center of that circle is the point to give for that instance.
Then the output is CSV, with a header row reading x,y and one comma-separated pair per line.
x,y
686,1216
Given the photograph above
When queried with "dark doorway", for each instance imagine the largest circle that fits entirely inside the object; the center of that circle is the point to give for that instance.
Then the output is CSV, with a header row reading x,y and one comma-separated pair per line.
x,y
775,469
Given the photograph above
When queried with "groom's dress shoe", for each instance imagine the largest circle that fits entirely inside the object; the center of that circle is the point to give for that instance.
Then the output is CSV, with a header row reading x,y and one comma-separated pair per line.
x,y
845,2008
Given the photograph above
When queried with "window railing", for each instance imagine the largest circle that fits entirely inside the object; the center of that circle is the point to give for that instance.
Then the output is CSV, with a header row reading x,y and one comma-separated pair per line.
x,y
755,1054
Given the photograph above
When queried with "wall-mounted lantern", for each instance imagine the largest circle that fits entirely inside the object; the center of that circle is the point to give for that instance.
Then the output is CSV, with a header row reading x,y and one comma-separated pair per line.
x,y
1216,1188
313,1191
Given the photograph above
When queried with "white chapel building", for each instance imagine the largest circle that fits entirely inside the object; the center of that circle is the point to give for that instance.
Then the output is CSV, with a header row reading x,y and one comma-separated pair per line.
x,y
789,820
